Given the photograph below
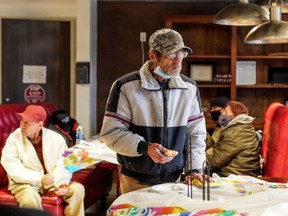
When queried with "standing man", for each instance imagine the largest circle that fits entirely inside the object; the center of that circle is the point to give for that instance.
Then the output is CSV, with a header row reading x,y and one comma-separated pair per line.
x,y
154,110
30,159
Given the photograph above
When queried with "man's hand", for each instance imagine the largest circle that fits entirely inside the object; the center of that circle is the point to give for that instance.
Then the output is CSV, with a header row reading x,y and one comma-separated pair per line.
x,y
155,152
47,181
62,190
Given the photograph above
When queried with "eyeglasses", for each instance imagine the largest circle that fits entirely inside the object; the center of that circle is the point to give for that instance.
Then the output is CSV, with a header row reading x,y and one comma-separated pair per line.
x,y
178,54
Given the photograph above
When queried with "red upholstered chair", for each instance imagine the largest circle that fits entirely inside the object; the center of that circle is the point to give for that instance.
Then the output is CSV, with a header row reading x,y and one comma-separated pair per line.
x,y
269,114
97,181
275,141
9,121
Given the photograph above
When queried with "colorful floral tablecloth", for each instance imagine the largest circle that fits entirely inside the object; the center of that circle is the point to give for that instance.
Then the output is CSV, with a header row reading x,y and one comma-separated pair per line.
x,y
237,195
87,154
126,209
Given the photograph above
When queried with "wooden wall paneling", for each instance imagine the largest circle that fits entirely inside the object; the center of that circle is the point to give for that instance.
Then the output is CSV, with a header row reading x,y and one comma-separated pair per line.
x,y
119,27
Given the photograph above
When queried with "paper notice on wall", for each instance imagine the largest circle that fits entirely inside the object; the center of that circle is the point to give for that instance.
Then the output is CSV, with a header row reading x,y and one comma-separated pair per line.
x,y
34,74
246,72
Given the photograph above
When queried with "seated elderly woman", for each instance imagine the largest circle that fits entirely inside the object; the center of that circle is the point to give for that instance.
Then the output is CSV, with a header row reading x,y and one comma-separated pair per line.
x,y
235,145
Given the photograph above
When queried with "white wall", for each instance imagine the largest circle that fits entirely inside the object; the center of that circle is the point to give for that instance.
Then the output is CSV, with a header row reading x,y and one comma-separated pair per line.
x,y
84,102
37,9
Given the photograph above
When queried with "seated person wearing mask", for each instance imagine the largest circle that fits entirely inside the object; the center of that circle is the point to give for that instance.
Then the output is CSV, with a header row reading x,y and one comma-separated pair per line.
x,y
30,158
235,146
217,107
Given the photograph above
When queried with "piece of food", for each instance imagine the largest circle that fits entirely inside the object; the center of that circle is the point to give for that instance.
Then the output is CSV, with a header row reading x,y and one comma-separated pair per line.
x,y
199,184
170,153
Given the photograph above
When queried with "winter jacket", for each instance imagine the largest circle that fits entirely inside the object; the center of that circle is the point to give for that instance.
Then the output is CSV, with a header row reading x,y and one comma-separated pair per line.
x,y
235,148
208,140
139,112
21,162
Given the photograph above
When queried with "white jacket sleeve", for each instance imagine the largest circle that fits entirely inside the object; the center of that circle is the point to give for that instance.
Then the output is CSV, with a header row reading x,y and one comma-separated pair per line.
x,y
21,162
54,146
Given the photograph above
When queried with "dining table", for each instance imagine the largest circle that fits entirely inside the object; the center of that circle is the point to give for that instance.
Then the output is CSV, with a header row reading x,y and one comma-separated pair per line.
x,y
86,154
232,195
227,196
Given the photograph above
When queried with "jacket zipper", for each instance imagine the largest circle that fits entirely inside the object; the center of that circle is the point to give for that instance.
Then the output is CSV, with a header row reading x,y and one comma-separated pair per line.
x,y
164,132
165,117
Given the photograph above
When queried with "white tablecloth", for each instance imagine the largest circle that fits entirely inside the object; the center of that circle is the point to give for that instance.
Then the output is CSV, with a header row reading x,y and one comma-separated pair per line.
x,y
99,151
265,199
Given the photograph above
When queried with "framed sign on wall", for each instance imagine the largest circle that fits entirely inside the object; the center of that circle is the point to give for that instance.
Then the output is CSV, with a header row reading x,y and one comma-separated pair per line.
x,y
202,73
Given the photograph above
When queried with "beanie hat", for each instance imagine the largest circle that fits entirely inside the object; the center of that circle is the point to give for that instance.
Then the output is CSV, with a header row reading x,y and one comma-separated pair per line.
x,y
220,102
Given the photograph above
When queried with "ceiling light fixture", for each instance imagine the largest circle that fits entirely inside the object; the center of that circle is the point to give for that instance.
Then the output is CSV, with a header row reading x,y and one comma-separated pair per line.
x,y
242,14
273,32
266,3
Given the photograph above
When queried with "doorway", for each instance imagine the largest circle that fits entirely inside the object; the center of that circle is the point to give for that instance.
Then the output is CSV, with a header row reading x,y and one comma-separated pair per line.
x,y
44,48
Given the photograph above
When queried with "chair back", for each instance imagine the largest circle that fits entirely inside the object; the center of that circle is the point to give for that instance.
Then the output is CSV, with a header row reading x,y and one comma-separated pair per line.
x,y
9,121
275,141
269,114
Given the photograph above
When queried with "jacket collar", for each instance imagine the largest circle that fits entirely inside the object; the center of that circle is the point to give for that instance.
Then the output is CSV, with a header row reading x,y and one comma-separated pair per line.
x,y
241,119
150,83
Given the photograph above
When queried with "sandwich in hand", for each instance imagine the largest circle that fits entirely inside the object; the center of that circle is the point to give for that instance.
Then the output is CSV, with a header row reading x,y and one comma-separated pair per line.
x,y
170,153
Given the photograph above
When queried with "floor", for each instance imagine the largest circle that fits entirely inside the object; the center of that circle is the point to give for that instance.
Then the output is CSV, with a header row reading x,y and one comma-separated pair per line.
x,y
99,209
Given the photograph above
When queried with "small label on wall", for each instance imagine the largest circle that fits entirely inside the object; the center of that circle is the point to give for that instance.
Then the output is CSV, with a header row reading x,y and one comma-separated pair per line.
x,y
34,74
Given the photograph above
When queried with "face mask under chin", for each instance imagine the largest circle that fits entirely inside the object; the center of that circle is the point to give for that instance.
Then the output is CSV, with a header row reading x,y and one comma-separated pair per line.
x,y
160,73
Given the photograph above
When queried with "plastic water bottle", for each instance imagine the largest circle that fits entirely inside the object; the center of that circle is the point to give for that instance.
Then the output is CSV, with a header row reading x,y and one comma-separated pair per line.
x,y
79,133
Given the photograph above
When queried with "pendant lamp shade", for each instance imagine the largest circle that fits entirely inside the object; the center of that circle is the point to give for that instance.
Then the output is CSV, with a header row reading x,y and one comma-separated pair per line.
x,y
266,3
273,32
242,14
